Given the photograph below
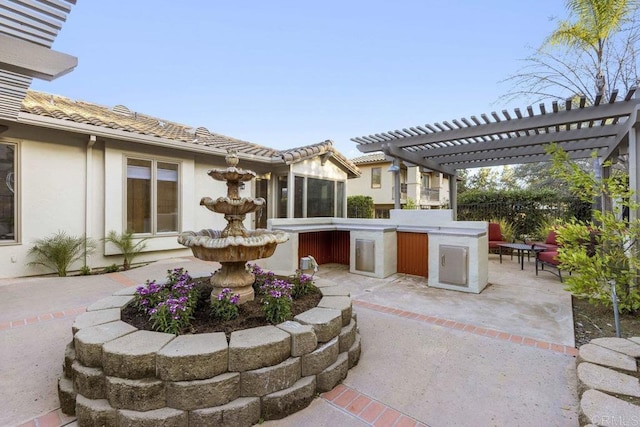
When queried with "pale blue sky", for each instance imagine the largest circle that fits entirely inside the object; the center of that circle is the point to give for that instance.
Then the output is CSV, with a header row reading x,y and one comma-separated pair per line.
x,y
291,73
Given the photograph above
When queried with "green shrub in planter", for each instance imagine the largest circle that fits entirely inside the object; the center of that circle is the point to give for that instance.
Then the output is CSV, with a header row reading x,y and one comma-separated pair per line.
x,y
59,251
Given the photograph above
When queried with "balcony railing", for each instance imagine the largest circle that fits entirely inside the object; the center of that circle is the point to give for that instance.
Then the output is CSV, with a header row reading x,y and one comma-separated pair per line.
x,y
429,194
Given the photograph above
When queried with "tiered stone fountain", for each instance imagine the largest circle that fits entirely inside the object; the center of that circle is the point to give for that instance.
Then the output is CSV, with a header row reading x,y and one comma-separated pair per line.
x,y
235,245
117,375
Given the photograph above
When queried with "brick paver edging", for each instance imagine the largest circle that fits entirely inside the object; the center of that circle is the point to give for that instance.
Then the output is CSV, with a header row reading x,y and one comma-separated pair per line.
x,y
466,327
54,418
356,404
42,318
116,277
367,409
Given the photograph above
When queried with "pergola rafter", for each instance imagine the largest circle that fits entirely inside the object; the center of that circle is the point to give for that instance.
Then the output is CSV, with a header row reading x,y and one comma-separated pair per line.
x,y
607,128
505,138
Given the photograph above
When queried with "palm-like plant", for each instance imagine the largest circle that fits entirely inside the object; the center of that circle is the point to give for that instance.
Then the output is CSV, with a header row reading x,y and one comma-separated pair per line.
x,y
125,243
59,251
596,21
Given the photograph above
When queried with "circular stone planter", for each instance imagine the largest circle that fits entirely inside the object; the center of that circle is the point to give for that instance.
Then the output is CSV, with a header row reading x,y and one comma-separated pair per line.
x,y
115,374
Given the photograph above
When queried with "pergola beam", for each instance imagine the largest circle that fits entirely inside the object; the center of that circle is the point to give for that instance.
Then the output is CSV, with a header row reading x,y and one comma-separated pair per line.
x,y
416,159
569,146
622,136
501,161
539,139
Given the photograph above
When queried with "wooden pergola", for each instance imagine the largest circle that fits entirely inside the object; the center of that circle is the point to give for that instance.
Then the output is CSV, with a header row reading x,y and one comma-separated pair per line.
x,y
608,127
28,28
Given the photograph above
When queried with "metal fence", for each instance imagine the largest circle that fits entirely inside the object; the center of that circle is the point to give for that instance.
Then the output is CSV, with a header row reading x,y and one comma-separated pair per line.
x,y
526,217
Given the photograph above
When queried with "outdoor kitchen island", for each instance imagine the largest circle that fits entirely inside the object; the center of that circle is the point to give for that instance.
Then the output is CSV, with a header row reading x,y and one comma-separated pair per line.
x,y
455,253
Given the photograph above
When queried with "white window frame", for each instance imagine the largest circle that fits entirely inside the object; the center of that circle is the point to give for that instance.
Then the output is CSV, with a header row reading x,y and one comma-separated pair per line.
x,y
16,194
154,192
378,185
335,194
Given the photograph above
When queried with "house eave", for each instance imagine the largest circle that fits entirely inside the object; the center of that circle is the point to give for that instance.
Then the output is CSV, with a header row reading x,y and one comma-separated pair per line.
x,y
82,128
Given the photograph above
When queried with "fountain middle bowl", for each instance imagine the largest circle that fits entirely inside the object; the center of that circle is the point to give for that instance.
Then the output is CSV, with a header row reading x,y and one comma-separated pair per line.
x,y
229,206
231,174
209,245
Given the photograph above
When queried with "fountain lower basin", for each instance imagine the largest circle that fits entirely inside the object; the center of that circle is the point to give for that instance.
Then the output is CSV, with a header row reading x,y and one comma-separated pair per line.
x,y
209,245
232,252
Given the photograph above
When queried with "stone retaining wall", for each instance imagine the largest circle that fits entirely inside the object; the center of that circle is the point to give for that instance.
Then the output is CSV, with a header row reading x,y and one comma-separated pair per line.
x,y
115,374
608,385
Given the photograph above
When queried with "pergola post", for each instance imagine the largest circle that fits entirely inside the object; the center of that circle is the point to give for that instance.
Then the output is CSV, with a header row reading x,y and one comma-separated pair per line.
x,y
606,204
634,167
453,195
396,190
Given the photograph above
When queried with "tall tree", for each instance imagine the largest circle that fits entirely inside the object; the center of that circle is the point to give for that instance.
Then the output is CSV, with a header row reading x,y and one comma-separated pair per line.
x,y
595,21
463,180
597,44
538,176
484,179
508,179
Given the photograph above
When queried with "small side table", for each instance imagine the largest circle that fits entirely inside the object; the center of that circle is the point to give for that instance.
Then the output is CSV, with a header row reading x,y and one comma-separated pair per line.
x,y
522,248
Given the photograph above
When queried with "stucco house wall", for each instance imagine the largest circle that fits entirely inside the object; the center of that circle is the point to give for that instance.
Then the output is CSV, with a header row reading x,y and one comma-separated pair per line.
x,y
362,185
410,176
72,177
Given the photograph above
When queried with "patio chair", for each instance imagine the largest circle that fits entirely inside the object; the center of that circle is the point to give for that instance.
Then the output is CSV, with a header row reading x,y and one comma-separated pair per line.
x,y
495,237
549,258
550,242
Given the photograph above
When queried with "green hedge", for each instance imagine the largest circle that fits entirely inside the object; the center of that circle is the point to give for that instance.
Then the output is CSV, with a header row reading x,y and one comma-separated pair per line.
x,y
360,207
526,210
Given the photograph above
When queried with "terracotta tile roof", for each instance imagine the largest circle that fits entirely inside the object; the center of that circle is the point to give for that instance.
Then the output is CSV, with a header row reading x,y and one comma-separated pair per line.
x,y
300,153
370,158
121,118
325,148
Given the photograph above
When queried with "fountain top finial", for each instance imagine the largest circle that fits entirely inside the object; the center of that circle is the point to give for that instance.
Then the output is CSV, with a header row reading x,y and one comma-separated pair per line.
x,y
232,158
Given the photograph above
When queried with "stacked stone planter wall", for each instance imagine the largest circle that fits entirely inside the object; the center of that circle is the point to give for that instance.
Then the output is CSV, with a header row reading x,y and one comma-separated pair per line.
x,y
116,375
608,384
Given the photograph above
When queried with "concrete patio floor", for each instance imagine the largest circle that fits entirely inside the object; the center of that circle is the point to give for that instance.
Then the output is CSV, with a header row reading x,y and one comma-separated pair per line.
x,y
429,356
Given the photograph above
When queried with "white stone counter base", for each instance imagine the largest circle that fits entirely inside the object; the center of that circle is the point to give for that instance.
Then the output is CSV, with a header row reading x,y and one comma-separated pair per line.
x,y
608,384
115,374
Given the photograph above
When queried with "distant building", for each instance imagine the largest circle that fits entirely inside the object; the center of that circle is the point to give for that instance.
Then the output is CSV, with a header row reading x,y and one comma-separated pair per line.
x,y
425,188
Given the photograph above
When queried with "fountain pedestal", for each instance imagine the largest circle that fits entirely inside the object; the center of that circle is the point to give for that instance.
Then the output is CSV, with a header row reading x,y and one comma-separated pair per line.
x,y
236,273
